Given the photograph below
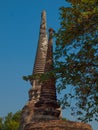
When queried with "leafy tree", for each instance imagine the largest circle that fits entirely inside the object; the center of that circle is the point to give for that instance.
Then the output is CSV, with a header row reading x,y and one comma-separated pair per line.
x,y
1,123
76,58
11,121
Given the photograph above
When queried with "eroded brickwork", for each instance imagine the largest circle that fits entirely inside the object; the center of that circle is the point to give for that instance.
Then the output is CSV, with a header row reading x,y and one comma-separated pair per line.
x,y
42,112
42,104
47,106
57,125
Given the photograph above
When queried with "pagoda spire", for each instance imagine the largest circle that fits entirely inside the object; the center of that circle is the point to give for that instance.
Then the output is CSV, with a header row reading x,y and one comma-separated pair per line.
x,y
48,86
47,106
40,59
42,47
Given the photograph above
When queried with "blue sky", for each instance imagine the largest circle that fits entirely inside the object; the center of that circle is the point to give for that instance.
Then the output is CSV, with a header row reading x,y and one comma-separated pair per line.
x,y
19,32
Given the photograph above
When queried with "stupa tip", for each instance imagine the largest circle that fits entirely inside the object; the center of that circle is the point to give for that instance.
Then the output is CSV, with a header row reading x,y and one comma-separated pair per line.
x,y
44,12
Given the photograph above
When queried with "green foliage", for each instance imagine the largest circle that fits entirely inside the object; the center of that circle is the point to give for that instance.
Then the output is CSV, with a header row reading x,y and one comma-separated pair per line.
x,y
1,123
11,121
64,119
76,57
42,77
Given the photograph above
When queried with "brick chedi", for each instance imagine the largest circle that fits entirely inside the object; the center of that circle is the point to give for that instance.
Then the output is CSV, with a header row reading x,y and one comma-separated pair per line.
x,y
42,104
42,111
39,66
40,59
47,106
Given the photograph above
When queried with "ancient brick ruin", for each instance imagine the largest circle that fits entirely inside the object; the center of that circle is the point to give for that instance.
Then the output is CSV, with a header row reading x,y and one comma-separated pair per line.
x,y
42,112
57,125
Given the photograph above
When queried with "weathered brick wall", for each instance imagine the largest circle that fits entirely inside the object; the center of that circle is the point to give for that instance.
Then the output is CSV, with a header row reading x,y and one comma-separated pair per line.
x,y
57,125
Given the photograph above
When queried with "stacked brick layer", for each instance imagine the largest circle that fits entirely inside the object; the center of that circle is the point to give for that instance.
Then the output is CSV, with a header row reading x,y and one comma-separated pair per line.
x,y
57,125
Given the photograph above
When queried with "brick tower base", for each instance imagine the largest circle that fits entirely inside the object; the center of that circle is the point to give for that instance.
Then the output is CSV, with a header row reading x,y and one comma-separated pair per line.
x,y
57,125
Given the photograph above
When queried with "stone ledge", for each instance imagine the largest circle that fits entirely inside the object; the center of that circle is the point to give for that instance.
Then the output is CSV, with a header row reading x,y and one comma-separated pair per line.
x,y
57,125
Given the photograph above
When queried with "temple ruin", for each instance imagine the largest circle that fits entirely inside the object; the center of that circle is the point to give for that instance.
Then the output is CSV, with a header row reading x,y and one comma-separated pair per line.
x,y
42,111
